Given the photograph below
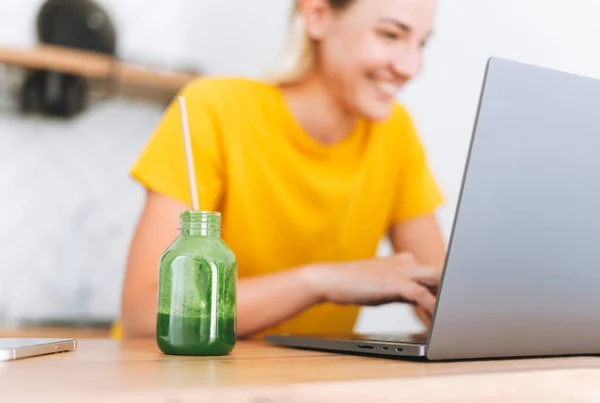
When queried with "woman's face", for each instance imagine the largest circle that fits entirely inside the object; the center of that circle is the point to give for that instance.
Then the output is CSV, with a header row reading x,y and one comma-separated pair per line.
x,y
370,50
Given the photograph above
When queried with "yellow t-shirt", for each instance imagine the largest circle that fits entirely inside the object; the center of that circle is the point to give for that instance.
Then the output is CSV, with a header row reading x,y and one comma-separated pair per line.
x,y
286,199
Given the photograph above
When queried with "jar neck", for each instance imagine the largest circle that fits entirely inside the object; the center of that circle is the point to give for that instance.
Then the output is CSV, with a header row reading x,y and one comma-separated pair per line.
x,y
200,223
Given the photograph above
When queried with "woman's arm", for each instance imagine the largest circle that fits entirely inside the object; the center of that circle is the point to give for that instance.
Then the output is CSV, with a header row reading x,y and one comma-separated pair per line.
x,y
421,237
156,230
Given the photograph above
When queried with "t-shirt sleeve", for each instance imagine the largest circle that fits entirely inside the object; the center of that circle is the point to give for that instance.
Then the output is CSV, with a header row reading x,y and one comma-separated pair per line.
x,y
162,168
417,192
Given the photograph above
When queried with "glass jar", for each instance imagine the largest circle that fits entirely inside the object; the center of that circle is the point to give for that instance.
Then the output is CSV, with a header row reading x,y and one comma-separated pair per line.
x,y
197,290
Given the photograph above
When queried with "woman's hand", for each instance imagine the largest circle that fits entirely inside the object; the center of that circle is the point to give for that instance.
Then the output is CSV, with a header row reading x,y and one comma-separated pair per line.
x,y
424,317
398,278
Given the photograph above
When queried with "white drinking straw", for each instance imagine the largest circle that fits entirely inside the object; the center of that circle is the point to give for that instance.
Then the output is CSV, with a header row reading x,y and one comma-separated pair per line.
x,y
185,127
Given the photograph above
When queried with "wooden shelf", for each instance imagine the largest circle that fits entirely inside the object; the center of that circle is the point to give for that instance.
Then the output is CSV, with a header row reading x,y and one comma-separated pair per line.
x,y
94,65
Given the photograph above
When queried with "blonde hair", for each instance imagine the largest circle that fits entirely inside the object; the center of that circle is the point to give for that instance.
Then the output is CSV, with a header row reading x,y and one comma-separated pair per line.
x,y
299,55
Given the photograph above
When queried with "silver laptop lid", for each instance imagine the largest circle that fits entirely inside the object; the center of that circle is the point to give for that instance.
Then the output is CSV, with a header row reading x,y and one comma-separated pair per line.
x,y
522,275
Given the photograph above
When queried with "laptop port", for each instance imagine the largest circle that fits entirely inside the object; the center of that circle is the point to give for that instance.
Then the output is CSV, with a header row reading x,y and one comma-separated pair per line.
x,y
364,347
384,348
399,349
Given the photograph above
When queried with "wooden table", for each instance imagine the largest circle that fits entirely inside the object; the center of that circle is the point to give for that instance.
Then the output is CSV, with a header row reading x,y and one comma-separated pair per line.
x,y
111,371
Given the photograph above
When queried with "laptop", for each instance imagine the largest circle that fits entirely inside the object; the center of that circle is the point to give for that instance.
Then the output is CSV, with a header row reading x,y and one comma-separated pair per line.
x,y
522,273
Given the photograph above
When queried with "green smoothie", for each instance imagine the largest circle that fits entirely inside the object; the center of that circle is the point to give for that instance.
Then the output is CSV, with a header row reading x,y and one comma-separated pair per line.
x,y
189,336
197,290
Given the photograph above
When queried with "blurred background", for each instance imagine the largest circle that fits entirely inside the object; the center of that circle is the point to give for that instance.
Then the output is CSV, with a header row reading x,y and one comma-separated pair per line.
x,y
67,205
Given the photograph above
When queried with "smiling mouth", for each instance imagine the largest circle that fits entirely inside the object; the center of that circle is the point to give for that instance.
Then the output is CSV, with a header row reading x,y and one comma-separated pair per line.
x,y
387,89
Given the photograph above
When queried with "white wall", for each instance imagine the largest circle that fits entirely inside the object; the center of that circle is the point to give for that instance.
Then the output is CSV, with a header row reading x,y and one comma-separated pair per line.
x,y
221,37
237,37
242,37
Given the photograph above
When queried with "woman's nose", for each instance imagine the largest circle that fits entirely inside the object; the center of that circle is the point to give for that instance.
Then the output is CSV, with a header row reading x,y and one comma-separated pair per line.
x,y
408,64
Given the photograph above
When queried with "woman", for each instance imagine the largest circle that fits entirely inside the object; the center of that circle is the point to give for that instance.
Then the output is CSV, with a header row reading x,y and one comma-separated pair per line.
x,y
309,171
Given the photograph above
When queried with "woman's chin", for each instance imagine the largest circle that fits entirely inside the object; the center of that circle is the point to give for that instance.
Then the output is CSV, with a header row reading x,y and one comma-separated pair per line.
x,y
376,111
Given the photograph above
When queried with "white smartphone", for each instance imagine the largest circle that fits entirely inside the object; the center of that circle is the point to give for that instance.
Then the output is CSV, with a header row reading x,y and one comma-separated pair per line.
x,y
14,349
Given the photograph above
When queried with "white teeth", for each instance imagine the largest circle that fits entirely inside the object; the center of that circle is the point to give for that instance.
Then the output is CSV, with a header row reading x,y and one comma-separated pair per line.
x,y
387,88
